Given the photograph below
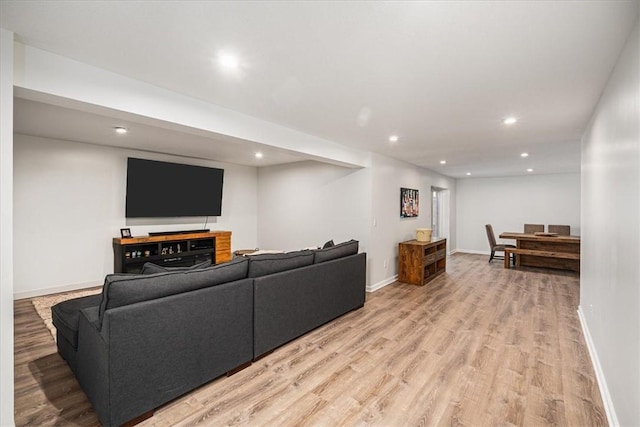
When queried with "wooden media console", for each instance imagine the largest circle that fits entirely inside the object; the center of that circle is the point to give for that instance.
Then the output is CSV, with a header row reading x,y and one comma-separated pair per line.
x,y
171,250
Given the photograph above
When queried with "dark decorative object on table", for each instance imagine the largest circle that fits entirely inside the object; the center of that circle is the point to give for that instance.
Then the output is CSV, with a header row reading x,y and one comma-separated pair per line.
x,y
125,233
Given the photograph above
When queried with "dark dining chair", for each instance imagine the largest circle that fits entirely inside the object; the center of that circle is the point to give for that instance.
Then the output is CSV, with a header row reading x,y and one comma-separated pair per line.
x,y
533,228
562,230
493,245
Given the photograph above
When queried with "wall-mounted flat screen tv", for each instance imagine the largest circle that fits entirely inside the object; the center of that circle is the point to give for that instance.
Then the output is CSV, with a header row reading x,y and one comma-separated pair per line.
x,y
162,189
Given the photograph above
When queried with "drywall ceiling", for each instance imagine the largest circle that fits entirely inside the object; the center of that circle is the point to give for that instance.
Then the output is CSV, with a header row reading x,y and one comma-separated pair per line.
x,y
71,124
440,75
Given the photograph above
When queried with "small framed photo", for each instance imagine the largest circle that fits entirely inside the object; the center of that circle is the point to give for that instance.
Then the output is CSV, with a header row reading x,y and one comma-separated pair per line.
x,y
125,232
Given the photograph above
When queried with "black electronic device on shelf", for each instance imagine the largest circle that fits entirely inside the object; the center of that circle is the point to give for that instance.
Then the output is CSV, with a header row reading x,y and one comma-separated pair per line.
x,y
202,244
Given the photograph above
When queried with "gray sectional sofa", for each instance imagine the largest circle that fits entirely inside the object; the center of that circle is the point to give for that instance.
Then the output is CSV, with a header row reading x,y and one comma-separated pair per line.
x,y
150,338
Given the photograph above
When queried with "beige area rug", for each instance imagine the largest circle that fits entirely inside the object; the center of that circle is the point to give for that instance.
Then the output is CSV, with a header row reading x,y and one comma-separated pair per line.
x,y
44,303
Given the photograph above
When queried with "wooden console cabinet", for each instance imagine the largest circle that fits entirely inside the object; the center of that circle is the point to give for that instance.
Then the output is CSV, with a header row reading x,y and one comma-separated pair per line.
x,y
421,262
171,250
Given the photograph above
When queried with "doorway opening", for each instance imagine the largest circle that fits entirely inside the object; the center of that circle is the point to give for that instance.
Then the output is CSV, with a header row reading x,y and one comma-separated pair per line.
x,y
440,213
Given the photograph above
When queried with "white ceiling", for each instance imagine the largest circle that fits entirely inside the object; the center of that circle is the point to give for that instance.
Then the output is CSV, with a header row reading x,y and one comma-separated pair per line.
x,y
441,75
73,124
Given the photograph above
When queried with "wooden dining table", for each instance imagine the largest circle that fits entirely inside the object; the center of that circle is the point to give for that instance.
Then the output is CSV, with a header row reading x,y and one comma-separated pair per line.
x,y
546,250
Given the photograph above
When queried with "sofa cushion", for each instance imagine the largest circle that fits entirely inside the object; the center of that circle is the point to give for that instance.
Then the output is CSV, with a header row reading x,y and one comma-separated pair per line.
x,y
151,268
119,290
328,244
261,265
66,315
337,251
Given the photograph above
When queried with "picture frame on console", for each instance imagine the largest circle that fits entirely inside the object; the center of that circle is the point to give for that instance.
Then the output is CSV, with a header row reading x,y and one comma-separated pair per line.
x,y
125,233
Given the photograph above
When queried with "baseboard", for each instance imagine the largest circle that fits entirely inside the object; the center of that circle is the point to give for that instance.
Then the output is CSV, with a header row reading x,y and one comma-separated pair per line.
x,y
382,284
612,418
473,251
55,290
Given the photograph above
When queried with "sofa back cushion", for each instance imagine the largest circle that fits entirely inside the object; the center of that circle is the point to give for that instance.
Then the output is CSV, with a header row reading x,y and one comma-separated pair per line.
x,y
151,268
336,251
120,290
261,265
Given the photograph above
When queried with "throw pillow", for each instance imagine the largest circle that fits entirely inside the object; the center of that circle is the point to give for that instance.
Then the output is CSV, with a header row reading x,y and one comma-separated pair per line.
x,y
328,244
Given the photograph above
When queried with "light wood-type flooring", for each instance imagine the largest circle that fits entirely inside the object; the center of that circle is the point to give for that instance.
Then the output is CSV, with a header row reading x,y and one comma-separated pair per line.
x,y
478,346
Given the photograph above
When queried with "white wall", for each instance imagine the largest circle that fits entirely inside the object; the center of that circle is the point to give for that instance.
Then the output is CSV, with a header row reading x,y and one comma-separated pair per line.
x,y
69,199
305,204
387,228
6,228
69,202
508,203
610,279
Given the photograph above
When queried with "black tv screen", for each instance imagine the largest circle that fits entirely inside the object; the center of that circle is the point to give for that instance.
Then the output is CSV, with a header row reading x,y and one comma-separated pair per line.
x,y
161,189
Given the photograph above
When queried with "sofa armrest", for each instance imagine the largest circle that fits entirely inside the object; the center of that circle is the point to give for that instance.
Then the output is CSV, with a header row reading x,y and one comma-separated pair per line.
x,y
151,352
92,315
93,359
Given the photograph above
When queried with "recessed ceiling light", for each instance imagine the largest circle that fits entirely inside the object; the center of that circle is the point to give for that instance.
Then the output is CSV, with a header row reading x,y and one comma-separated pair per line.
x,y
468,173
258,155
393,138
529,170
229,61
510,120
121,130
524,155
443,162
